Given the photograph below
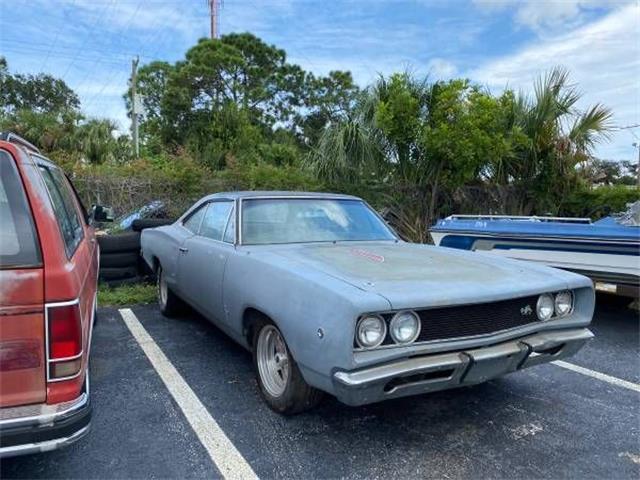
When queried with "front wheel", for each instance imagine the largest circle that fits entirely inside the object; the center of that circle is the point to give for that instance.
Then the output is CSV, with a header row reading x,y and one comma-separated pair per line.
x,y
169,303
281,383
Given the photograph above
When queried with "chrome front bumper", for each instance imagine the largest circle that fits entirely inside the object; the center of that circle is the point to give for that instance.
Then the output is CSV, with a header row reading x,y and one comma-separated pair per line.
x,y
431,373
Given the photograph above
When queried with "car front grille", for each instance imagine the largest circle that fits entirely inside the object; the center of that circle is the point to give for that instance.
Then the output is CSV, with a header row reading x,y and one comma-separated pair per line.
x,y
478,319
461,321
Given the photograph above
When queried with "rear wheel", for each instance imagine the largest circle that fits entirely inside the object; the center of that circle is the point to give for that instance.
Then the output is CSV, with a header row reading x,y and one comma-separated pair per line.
x,y
169,303
281,383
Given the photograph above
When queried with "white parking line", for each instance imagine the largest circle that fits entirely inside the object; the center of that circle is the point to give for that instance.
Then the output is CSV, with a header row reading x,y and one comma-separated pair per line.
x,y
224,454
600,376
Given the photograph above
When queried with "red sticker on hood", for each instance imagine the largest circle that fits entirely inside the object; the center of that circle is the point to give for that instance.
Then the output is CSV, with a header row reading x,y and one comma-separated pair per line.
x,y
374,257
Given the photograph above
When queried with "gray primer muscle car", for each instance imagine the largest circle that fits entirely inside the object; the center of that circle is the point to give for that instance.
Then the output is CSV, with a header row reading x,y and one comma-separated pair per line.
x,y
328,299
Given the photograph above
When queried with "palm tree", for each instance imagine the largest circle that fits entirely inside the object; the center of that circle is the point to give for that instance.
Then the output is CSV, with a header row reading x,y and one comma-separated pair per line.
x,y
96,141
558,137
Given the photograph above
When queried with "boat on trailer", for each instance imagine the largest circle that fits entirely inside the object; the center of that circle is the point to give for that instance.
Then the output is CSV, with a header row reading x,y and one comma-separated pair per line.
x,y
607,250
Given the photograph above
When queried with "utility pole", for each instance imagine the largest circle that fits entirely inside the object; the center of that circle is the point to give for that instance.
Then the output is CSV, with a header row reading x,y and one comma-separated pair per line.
x,y
134,107
637,145
214,14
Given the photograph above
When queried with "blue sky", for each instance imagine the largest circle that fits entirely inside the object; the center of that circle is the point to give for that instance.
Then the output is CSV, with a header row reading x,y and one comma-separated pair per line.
x,y
90,43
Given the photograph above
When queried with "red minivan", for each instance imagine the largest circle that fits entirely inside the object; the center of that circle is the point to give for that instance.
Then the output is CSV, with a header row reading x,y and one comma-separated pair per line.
x,y
48,286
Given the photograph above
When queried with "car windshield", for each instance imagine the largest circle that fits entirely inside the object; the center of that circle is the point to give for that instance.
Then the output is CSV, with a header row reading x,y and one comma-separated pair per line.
x,y
300,220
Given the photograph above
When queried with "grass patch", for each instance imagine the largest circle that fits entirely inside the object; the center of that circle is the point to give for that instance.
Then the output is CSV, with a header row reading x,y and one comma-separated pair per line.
x,y
126,294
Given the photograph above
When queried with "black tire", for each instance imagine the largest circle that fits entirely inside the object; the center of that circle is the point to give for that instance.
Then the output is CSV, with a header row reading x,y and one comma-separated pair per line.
x,y
120,242
117,273
172,305
142,223
119,259
298,395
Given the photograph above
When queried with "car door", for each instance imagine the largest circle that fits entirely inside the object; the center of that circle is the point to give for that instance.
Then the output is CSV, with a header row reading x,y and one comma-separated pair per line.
x,y
204,256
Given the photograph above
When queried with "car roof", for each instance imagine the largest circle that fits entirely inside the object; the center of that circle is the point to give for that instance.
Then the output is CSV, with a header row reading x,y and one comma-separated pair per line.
x,y
279,193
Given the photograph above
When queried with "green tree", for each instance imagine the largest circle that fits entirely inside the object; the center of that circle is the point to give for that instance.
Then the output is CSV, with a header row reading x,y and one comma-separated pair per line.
x,y
559,137
327,100
97,140
238,69
415,137
39,93
151,85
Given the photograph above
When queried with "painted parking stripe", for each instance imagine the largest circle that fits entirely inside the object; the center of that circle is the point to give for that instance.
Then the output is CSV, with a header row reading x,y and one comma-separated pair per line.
x,y
224,454
600,376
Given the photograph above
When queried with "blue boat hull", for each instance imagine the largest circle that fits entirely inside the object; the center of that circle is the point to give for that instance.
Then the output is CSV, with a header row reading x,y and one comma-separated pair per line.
x,y
610,256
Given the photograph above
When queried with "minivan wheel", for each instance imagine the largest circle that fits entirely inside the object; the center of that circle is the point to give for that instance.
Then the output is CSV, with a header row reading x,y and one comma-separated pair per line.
x,y
169,303
281,383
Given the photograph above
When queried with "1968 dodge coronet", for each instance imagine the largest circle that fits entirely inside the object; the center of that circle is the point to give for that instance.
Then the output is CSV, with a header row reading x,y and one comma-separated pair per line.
x,y
329,299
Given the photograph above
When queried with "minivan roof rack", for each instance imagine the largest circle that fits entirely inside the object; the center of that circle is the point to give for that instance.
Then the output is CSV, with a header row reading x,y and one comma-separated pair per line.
x,y
13,138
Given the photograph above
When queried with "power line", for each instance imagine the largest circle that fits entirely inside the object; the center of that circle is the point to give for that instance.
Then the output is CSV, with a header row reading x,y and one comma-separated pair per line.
x,y
118,34
159,39
55,39
89,32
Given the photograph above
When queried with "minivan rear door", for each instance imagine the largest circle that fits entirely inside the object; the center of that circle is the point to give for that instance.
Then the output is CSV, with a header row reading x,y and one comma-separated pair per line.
x,y
22,337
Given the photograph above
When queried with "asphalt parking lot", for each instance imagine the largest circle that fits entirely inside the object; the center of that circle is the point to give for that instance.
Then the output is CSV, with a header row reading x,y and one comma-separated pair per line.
x,y
544,422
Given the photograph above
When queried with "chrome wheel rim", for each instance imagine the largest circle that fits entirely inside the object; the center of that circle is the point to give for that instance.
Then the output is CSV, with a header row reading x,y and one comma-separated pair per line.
x,y
162,288
273,361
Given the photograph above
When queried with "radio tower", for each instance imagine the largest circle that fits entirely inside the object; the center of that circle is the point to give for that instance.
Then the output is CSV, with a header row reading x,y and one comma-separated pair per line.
x,y
214,13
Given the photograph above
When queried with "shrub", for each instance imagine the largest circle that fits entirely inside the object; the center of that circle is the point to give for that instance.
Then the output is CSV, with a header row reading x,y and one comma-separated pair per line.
x,y
599,202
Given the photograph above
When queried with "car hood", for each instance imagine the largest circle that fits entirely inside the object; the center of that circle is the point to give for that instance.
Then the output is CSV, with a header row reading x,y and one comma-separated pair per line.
x,y
415,275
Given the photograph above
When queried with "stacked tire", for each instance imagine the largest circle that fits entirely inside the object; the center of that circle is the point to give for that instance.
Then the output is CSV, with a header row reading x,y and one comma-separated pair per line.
x,y
120,261
142,223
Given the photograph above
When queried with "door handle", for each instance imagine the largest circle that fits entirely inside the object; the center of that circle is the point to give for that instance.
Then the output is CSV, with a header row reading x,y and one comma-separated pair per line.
x,y
183,249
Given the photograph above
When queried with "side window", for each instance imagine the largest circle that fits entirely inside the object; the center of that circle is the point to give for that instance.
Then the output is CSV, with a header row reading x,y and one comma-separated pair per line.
x,y
215,220
230,232
193,221
83,209
64,207
18,242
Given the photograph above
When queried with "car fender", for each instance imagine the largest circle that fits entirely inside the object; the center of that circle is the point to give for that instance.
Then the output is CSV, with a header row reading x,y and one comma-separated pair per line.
x,y
317,317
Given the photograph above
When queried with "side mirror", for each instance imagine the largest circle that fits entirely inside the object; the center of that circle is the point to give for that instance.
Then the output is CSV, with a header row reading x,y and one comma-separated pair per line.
x,y
101,214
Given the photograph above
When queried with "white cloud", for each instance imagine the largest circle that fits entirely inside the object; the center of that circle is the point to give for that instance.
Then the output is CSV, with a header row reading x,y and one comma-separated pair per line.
x,y
604,60
440,68
541,15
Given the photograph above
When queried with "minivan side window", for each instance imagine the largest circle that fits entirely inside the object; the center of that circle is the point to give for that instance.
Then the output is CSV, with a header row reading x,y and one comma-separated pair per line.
x,y
66,212
19,246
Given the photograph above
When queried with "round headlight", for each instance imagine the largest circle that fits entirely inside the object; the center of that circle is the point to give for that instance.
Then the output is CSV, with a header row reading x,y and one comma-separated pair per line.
x,y
371,331
564,303
544,307
404,327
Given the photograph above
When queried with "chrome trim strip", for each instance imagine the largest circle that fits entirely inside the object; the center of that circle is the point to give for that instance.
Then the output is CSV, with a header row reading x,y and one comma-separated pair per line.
x,y
43,446
520,217
226,225
65,359
46,334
